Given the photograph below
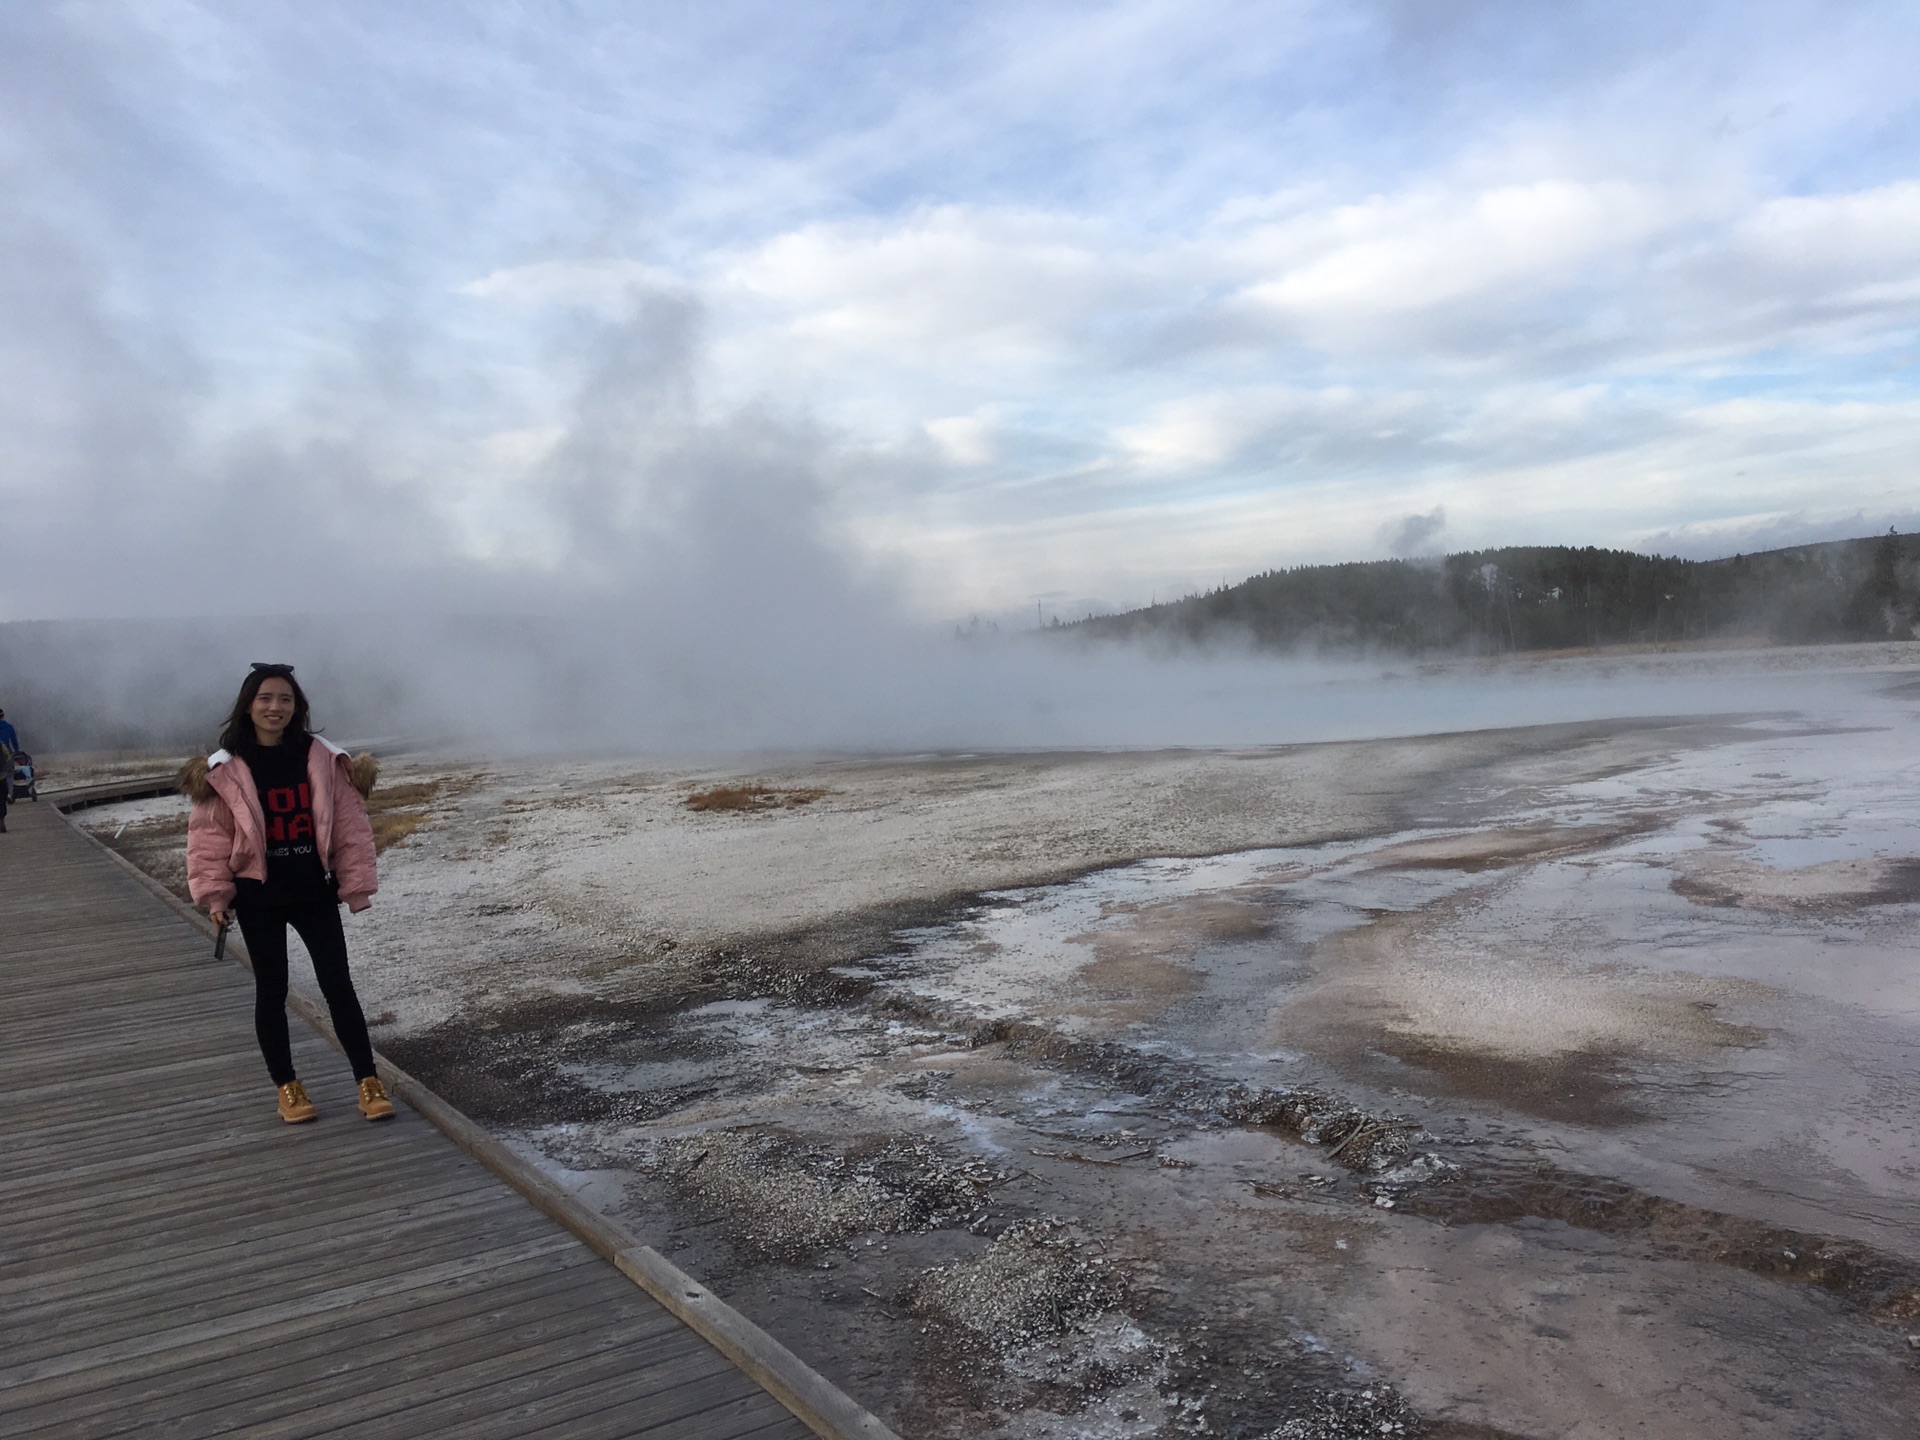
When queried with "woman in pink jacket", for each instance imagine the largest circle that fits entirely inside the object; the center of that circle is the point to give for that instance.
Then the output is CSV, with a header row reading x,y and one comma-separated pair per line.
x,y
279,836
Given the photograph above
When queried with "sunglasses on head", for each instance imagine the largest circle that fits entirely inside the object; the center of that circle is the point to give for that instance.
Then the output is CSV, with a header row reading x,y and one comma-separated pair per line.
x,y
262,667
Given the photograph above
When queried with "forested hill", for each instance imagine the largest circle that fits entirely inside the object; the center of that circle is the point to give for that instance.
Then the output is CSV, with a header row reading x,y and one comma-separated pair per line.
x,y
1553,598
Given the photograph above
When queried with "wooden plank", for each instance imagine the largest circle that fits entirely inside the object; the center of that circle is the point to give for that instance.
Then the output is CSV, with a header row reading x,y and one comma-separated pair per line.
x,y
100,1265
128,1007
205,1109
472,1395
251,1198
226,1347
279,1147
100,1059
415,1358
155,1204
162,975
155,956
114,1048
673,1400
138,1036
228,1272
114,1089
741,1420
230,1191
99,948
214,1107
160,1266
210,1298
169,998
639,1405
318,1302
125,1165
404,1330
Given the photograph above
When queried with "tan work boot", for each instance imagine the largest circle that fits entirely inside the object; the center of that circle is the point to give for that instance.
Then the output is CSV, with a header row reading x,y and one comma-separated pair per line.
x,y
295,1107
374,1103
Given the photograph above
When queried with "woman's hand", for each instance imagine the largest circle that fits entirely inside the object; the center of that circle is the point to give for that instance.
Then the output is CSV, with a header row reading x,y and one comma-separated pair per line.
x,y
217,914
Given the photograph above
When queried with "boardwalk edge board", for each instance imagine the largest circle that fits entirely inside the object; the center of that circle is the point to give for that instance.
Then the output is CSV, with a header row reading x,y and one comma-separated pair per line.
x,y
83,797
816,1401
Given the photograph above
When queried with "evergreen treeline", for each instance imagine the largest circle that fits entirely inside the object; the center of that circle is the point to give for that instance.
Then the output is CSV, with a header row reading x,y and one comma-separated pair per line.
x,y
1543,597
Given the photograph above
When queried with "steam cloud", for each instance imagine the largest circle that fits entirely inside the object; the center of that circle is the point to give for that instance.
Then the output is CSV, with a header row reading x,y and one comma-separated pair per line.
x,y
1414,534
700,600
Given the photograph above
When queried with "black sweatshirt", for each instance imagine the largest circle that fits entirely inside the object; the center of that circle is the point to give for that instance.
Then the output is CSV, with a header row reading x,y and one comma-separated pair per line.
x,y
294,873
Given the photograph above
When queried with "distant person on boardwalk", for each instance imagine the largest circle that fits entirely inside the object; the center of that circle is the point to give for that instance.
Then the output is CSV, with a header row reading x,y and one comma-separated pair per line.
x,y
279,836
9,742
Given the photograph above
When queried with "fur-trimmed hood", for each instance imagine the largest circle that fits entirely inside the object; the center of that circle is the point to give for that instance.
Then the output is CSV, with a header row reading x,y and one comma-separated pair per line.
x,y
362,769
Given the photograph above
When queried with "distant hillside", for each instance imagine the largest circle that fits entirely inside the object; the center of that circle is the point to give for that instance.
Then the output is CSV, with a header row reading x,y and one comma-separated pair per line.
x,y
1541,597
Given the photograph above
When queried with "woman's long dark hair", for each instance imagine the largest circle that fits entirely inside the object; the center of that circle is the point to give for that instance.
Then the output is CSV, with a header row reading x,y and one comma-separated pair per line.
x,y
239,738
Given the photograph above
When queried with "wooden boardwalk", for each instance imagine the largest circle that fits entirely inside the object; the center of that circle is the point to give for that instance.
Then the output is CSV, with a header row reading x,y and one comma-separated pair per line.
x,y
177,1262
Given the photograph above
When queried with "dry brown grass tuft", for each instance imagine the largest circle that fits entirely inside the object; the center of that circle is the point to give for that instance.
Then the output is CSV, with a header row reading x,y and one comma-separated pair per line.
x,y
396,826
752,797
400,797
398,810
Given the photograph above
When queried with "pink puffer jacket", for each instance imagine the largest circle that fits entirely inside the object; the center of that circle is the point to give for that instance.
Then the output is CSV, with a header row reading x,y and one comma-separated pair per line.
x,y
225,832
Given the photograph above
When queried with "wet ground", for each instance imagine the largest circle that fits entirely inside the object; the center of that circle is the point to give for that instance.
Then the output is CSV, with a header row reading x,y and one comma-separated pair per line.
x,y
1572,1090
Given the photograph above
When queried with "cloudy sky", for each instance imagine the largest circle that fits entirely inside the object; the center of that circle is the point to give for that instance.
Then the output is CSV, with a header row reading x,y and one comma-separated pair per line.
x,y
316,306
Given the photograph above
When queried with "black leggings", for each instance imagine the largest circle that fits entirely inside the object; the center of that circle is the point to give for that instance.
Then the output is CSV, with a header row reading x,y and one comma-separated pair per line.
x,y
264,927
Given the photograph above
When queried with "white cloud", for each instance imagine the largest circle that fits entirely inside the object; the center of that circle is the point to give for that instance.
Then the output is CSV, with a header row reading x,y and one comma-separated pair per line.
x,y
1862,237
608,286
1542,272
966,439
943,286
1332,428
1839,269
1389,256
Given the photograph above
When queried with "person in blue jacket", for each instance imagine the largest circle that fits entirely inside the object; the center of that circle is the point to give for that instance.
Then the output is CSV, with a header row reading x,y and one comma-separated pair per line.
x,y
9,742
